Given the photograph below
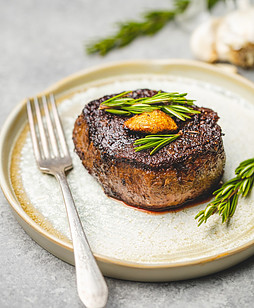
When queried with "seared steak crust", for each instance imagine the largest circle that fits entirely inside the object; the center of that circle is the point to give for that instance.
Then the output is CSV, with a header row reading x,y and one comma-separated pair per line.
x,y
183,170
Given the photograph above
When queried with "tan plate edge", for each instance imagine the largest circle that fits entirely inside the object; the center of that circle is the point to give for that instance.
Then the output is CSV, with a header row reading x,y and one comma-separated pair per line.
x,y
55,88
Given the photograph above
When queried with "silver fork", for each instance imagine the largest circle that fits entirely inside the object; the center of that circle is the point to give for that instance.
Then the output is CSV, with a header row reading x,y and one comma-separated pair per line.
x,y
52,156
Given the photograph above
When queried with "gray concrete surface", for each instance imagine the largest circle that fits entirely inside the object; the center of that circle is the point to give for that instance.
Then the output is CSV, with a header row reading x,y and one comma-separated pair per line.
x,y
40,43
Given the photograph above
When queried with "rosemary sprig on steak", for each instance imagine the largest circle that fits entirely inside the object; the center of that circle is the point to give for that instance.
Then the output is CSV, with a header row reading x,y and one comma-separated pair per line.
x,y
173,103
152,22
227,196
154,141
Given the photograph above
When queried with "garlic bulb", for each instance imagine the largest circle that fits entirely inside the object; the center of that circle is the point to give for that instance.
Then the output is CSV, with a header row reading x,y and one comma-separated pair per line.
x,y
230,38
203,40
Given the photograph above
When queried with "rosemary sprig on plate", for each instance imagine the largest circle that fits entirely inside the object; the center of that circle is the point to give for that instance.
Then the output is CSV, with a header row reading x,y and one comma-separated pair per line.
x,y
154,141
173,103
128,31
227,196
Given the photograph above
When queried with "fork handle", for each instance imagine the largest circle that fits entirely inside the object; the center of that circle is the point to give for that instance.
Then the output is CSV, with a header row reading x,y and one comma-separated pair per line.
x,y
92,288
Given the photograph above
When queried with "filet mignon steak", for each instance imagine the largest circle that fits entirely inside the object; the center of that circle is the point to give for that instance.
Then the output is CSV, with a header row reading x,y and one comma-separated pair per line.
x,y
183,170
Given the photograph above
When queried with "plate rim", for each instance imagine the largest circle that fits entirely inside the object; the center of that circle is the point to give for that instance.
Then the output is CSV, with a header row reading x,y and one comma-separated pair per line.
x,y
53,88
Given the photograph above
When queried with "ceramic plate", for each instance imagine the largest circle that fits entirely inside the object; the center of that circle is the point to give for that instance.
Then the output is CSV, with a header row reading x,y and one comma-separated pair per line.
x,y
129,243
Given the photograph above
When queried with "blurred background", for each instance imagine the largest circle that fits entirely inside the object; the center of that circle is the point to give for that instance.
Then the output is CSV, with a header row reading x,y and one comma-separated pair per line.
x,y
42,42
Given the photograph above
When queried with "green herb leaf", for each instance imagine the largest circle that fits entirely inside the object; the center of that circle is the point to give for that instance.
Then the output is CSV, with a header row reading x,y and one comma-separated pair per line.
x,y
154,141
227,196
128,31
152,23
118,111
212,3
173,103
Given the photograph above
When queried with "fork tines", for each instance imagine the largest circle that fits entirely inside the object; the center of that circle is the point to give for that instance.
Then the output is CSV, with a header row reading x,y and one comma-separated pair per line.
x,y
46,128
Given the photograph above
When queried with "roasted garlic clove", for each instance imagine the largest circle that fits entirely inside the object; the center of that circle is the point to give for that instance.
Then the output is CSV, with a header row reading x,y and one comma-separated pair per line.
x,y
151,122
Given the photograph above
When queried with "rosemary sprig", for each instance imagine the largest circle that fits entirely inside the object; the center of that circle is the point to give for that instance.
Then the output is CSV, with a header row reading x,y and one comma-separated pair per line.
x,y
173,103
128,31
154,141
212,3
227,196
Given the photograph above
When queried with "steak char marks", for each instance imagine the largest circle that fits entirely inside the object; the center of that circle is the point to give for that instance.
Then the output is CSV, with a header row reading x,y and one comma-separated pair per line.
x,y
185,169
